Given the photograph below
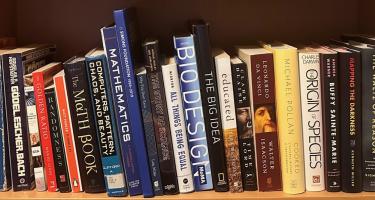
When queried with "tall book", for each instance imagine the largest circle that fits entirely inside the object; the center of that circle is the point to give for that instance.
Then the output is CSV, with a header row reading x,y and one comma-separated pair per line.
x,y
350,118
35,141
244,120
228,119
148,124
194,117
84,130
41,78
129,49
17,63
115,170
312,120
178,129
331,114
368,110
170,173
67,131
260,69
288,111
59,154
211,107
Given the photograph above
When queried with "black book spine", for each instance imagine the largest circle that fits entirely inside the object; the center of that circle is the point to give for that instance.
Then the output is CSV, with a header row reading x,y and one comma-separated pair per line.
x,y
211,107
61,170
331,114
244,126
161,120
350,128
84,130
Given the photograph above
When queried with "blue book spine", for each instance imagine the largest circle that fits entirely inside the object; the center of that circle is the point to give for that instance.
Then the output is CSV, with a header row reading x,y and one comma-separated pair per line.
x,y
193,111
107,131
117,81
125,20
153,159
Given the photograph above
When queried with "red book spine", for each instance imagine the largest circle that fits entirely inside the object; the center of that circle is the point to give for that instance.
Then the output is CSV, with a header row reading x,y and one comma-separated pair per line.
x,y
44,131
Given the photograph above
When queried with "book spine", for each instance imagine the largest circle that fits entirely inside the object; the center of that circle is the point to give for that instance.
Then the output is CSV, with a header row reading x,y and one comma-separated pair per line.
x,y
261,75
245,127
193,111
330,92
211,107
178,129
67,133
84,131
368,120
311,105
350,118
44,132
125,21
6,159
61,168
288,112
148,125
228,118
22,173
122,138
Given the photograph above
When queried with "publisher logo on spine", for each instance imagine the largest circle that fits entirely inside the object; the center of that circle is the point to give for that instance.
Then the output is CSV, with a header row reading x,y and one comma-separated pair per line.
x,y
202,174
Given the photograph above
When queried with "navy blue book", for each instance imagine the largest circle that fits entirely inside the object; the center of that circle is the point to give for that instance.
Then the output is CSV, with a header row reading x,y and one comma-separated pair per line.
x,y
153,159
126,25
100,92
190,89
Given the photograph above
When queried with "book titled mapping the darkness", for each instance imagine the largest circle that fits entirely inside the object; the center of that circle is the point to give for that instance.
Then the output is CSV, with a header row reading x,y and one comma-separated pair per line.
x,y
211,106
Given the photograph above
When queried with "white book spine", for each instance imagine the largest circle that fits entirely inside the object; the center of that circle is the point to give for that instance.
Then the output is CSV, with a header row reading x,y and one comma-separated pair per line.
x,y
178,129
312,123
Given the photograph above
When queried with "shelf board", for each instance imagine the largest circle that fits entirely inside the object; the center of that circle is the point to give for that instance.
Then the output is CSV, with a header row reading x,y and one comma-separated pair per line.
x,y
207,195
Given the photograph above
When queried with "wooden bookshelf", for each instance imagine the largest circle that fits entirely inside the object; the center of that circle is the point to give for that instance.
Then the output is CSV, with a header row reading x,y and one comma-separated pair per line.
x,y
74,26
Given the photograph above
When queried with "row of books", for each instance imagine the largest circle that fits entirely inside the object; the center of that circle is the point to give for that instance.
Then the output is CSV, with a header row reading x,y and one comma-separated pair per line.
x,y
270,117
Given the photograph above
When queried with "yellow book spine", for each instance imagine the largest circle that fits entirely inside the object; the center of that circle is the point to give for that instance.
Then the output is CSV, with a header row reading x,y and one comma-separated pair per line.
x,y
288,111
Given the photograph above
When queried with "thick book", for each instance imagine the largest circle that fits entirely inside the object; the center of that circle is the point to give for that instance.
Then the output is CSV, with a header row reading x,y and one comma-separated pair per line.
x,y
193,110
148,124
211,107
260,69
35,142
244,120
129,49
177,124
42,77
288,112
350,118
228,119
59,155
331,114
84,130
17,63
312,120
63,106
116,163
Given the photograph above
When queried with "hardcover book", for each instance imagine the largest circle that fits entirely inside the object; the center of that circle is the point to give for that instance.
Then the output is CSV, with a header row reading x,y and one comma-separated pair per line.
x,y
59,155
67,131
148,124
228,119
17,63
177,125
84,131
288,112
260,69
312,121
129,49
244,120
193,111
211,107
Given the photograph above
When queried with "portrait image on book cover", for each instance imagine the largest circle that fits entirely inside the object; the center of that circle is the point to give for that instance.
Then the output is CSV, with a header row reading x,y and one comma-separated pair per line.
x,y
244,123
265,119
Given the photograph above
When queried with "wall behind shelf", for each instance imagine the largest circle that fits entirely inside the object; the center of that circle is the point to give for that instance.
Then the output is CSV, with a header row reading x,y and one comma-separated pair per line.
x,y
367,16
7,18
74,25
